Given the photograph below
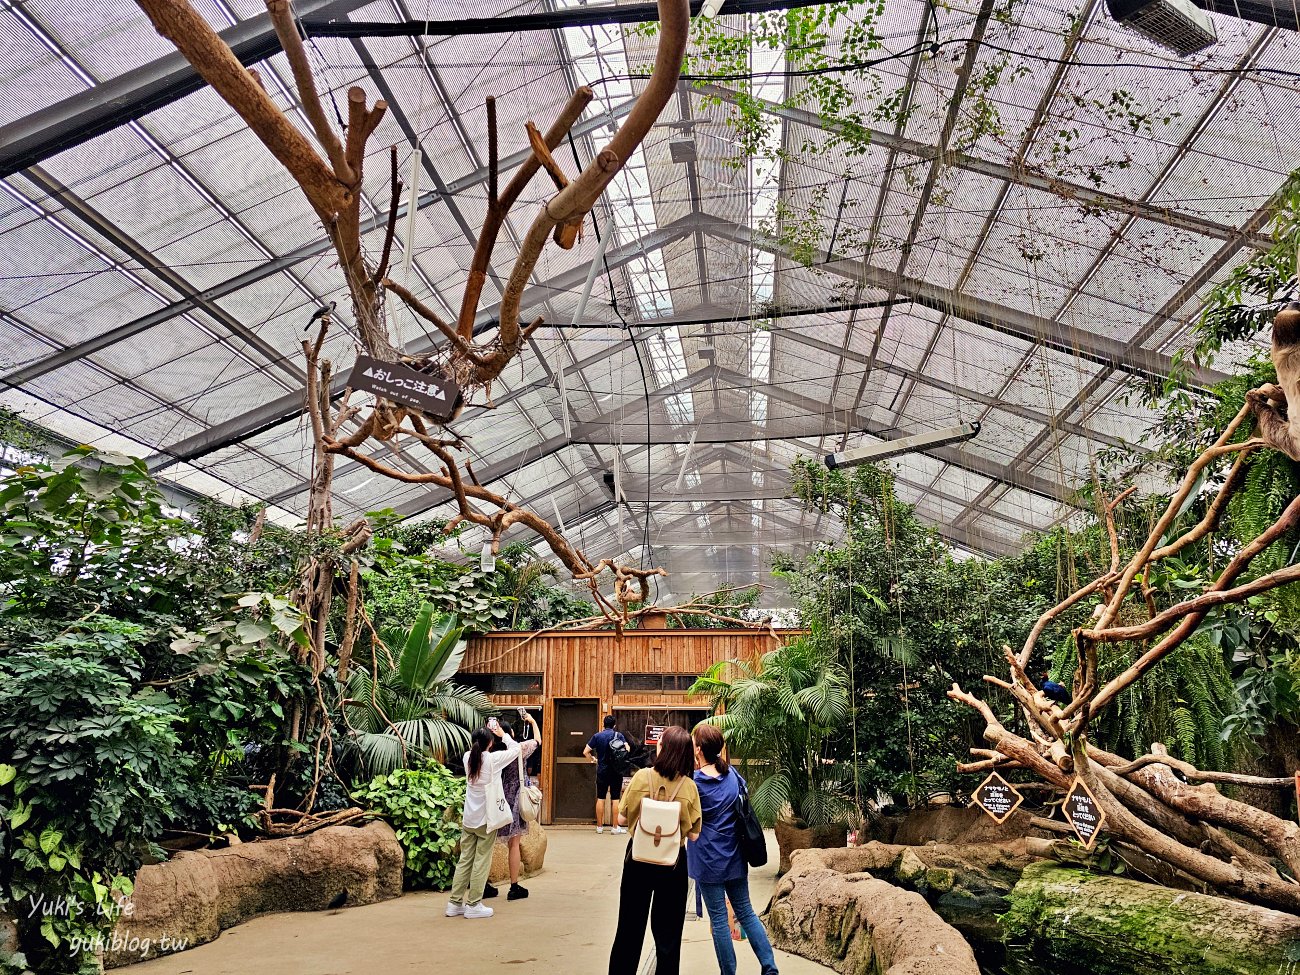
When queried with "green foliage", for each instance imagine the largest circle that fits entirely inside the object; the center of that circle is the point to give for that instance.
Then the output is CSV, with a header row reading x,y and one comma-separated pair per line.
x,y
411,711
405,568
117,725
905,620
424,807
86,791
1182,704
783,713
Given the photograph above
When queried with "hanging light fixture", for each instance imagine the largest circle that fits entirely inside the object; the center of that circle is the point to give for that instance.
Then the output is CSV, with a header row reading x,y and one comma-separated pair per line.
x,y
904,445
711,8
487,560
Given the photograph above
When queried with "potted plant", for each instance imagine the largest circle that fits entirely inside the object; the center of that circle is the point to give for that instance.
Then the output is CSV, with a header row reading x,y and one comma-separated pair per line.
x,y
779,718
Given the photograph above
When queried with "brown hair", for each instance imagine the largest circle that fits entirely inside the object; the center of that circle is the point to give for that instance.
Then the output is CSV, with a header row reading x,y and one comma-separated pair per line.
x,y
676,756
711,743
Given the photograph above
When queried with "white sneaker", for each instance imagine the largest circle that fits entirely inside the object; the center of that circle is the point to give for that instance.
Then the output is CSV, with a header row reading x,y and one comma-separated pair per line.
x,y
479,910
454,909
618,829
600,829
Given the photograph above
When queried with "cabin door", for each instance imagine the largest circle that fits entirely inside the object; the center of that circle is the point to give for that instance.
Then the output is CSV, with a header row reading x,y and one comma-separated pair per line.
x,y
576,720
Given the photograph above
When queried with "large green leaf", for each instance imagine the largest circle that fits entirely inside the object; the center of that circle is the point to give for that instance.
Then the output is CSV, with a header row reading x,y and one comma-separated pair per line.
x,y
413,668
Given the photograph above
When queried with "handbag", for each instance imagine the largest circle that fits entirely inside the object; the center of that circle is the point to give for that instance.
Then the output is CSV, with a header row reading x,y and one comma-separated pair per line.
x,y
530,797
749,831
499,813
658,835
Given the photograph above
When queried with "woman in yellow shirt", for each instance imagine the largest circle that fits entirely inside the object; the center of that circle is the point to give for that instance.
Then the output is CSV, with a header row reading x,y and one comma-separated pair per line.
x,y
647,888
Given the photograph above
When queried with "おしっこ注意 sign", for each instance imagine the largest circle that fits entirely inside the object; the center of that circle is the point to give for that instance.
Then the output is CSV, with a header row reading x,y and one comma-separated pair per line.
x,y
653,732
998,797
435,395
1083,813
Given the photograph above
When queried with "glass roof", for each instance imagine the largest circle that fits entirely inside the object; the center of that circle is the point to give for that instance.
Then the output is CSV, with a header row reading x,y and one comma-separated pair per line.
x,y
155,279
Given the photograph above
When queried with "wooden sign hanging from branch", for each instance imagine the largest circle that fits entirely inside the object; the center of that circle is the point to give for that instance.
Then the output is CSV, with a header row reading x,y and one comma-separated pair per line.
x,y
998,798
1084,813
436,396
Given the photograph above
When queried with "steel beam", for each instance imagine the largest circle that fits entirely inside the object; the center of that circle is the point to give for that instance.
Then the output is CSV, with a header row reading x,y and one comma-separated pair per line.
x,y
118,238
292,405
252,276
999,318
1074,192
133,95
964,459
984,399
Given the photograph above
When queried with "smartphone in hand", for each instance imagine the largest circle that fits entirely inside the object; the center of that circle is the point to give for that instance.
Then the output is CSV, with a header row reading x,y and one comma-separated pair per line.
x,y
493,724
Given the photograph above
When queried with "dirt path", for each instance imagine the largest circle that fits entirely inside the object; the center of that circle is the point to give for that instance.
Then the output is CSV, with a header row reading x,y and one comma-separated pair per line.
x,y
564,927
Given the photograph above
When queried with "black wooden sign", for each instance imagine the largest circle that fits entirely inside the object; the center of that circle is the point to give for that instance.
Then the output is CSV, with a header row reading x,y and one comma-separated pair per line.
x,y
998,797
1083,813
435,395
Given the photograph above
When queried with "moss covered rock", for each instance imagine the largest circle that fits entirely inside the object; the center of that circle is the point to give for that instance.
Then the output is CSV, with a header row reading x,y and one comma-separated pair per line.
x,y
1072,922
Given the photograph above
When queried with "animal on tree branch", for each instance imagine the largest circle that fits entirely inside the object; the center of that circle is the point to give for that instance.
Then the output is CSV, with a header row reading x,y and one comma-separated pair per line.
x,y
1165,807
330,174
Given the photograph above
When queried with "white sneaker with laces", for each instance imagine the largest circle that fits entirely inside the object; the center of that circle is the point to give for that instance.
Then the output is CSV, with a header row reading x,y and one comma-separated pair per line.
x,y
479,910
454,909
618,829
600,829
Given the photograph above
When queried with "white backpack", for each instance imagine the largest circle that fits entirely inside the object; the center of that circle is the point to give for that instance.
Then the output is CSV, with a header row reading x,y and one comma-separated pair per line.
x,y
658,835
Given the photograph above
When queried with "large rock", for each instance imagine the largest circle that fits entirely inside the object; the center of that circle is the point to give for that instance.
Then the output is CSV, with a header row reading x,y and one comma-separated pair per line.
x,y
968,886
532,856
960,825
790,838
1067,920
859,925
191,898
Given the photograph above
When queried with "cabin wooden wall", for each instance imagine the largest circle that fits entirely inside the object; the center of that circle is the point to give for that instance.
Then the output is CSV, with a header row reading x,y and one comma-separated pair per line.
x,y
583,665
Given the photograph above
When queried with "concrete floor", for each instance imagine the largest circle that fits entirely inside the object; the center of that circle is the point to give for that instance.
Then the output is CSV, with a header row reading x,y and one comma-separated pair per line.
x,y
565,926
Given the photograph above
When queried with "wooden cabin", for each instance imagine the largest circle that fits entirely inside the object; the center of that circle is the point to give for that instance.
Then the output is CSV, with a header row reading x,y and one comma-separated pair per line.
x,y
570,681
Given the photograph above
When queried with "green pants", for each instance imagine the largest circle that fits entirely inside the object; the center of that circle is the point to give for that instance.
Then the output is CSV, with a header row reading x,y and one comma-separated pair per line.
x,y
475,863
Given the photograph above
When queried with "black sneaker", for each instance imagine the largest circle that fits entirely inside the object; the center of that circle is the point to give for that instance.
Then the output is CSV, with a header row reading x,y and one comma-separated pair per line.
x,y
517,893
489,891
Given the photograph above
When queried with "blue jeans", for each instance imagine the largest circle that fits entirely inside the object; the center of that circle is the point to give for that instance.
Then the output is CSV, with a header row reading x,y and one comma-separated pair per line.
x,y
715,899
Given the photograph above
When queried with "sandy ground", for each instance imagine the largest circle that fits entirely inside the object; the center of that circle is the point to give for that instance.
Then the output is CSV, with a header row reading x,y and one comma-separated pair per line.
x,y
565,926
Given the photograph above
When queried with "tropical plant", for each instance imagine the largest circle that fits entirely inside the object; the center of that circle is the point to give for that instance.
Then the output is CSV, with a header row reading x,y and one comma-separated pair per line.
x,y
406,567
405,710
423,805
88,762
783,714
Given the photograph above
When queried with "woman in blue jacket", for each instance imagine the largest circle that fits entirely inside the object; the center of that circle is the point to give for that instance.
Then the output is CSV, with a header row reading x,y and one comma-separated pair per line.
x,y
715,859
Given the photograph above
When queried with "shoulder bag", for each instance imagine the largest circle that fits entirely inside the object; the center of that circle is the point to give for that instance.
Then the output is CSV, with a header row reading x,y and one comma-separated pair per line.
x,y
749,832
499,813
530,796
658,835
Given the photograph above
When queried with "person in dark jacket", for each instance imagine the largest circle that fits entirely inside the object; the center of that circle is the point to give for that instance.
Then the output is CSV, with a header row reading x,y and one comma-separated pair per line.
x,y
715,860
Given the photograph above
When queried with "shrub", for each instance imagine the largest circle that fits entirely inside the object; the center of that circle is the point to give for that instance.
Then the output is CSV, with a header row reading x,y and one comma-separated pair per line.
x,y
424,806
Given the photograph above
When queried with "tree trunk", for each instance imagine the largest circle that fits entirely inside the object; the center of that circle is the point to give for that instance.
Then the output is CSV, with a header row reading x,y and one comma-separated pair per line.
x,y
1070,922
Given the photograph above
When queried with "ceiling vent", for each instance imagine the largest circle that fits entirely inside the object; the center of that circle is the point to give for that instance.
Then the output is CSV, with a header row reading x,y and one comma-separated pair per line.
x,y
1178,25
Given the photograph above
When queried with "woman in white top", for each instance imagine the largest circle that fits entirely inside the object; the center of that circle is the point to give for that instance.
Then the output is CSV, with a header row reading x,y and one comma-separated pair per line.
x,y
491,749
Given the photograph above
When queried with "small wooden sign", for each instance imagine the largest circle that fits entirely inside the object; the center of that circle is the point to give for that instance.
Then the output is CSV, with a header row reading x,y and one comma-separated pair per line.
x,y
1084,815
998,797
435,395
653,732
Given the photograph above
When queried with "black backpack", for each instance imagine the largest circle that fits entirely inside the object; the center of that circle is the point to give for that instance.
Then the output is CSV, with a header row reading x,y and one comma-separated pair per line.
x,y
620,755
